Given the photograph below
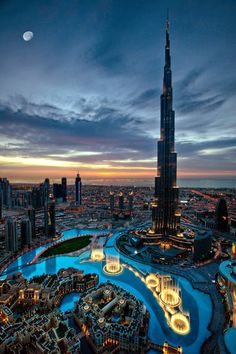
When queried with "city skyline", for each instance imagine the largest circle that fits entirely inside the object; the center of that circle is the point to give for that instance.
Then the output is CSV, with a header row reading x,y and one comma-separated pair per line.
x,y
86,95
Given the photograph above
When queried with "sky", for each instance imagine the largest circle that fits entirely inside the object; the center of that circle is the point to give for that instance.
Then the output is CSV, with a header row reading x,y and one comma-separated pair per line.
x,y
84,93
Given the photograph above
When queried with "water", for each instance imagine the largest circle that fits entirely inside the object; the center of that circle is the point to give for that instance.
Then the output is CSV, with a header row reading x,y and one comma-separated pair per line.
x,y
196,303
68,302
229,182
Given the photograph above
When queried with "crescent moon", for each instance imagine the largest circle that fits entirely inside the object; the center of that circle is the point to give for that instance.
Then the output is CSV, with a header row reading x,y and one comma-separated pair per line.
x,y
27,36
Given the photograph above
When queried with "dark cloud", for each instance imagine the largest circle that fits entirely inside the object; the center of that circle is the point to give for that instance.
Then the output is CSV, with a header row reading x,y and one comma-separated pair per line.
x,y
92,76
146,98
109,131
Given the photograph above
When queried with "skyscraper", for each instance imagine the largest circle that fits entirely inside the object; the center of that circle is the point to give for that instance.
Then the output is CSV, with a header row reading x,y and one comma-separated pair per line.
x,y
26,232
50,219
6,192
57,192
165,220
78,188
11,235
45,190
64,188
222,215
37,197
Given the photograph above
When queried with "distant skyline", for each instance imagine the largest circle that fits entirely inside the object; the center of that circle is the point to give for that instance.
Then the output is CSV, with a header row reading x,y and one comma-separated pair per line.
x,y
83,93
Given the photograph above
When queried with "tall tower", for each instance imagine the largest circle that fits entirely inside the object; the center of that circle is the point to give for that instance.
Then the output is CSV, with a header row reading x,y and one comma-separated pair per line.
x,y
11,235
78,187
26,232
165,219
64,188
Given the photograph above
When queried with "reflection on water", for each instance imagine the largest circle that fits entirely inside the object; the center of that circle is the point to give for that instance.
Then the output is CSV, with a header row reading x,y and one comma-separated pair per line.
x,y
51,266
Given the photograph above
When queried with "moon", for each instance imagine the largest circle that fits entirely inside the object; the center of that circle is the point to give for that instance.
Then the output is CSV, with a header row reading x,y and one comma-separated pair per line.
x,y
27,36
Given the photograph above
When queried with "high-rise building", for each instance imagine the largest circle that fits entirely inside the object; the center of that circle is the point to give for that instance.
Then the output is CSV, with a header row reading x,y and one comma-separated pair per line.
x,y
45,186
121,201
166,191
6,192
222,215
78,190
112,201
64,188
11,235
57,191
37,197
50,219
26,232
31,216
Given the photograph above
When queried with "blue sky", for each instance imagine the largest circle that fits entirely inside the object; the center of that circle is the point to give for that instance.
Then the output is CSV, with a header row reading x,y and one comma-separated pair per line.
x,y
84,92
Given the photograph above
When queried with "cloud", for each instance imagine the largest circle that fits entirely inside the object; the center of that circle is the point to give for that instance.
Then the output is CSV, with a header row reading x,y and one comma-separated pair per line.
x,y
108,132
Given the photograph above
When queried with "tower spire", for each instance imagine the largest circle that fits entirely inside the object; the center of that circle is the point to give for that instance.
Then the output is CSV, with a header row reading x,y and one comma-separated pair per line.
x,y
167,46
167,21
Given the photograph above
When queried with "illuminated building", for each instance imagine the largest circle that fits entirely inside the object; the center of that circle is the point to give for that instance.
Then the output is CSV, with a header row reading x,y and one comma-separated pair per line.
x,y
64,188
26,232
121,211
202,245
165,220
222,215
227,283
233,251
6,315
30,294
113,320
121,201
31,215
49,219
169,349
78,190
11,235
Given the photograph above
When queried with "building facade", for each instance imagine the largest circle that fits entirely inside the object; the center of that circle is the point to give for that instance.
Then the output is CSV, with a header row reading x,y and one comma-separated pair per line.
x,y
26,232
11,235
78,190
